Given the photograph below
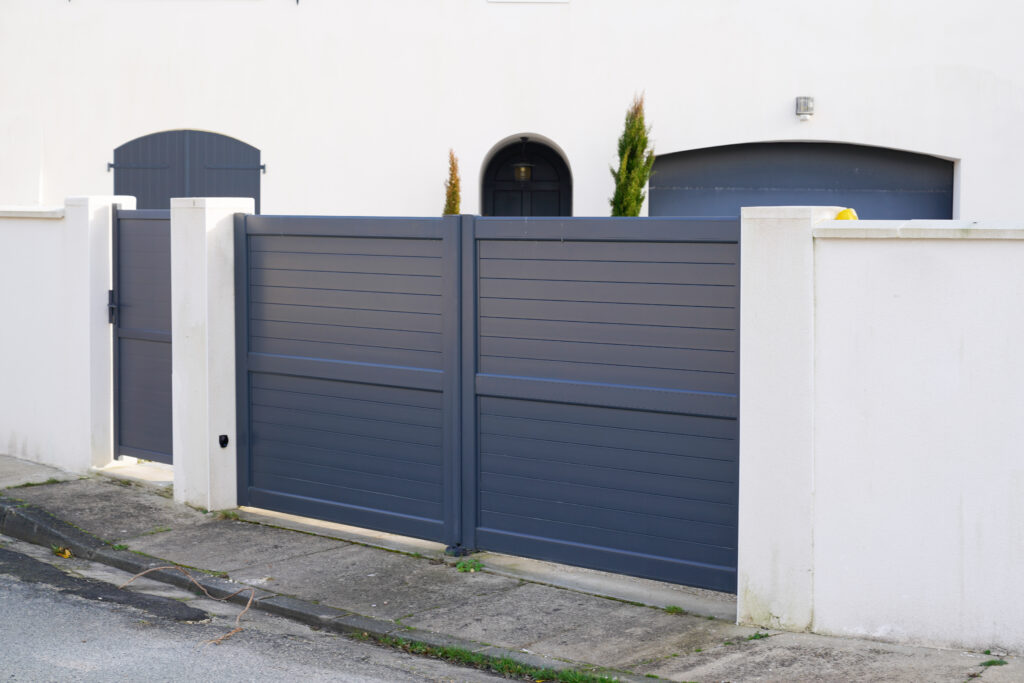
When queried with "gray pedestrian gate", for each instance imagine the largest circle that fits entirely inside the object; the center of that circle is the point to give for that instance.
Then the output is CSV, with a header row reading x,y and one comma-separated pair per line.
x,y
564,389
140,310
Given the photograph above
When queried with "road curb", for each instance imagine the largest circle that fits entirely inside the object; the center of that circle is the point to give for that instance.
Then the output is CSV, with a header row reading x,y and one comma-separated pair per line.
x,y
35,525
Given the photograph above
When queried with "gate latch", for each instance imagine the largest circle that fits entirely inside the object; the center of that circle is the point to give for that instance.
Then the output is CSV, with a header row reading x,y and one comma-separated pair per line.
x,y
111,307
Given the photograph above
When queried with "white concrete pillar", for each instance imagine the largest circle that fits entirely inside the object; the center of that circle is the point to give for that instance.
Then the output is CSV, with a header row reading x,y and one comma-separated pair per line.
x,y
775,570
203,349
89,224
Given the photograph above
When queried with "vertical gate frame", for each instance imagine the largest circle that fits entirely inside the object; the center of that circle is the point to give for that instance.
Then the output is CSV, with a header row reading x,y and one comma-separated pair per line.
x,y
451,439
114,315
242,407
467,392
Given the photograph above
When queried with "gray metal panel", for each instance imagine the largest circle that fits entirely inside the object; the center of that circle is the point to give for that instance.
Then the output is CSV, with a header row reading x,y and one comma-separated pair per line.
x,y
879,183
606,373
347,356
142,284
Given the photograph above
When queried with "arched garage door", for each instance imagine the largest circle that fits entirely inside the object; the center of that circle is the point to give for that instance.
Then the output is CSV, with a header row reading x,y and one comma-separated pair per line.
x,y
879,183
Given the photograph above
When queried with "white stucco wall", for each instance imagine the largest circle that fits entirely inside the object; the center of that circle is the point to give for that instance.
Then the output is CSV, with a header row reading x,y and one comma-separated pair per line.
x,y
882,492
355,104
55,342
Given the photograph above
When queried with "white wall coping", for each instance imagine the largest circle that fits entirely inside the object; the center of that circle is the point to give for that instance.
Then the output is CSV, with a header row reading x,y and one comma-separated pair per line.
x,y
49,212
205,202
921,229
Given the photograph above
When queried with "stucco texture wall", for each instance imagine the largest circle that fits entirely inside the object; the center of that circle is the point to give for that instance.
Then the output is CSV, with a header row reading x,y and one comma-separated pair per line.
x,y
881,477
355,104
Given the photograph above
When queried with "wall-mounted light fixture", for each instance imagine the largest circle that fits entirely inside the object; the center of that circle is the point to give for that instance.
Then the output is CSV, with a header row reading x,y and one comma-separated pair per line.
x,y
805,108
522,170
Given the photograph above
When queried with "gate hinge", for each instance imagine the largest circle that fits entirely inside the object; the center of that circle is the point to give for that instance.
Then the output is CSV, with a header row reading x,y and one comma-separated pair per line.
x,y
111,307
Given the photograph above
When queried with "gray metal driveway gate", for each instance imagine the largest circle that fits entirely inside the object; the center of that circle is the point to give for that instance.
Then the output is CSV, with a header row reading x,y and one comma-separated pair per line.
x,y
140,310
564,389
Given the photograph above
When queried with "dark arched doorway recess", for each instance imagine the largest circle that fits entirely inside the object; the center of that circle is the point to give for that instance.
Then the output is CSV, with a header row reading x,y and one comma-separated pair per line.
x,y
879,183
185,163
547,192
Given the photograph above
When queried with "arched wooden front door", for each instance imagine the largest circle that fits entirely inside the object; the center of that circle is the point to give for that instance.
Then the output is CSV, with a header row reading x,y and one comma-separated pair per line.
x,y
185,163
548,192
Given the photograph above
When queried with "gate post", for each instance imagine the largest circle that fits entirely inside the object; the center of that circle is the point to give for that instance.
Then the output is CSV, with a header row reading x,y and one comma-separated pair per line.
x,y
775,569
203,349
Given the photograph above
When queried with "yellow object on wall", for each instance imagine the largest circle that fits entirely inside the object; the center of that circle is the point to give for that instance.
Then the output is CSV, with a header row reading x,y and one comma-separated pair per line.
x,y
847,215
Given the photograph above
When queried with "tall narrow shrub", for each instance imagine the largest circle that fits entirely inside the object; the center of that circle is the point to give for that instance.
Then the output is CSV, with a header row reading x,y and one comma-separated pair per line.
x,y
452,194
635,162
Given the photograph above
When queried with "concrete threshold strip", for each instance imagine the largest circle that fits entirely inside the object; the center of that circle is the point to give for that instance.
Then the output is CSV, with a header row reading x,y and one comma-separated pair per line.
x,y
35,525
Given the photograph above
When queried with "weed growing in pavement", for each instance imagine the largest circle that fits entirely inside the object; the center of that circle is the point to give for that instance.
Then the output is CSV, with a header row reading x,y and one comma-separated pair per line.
x,y
26,485
228,514
987,652
675,609
994,662
469,565
757,636
119,546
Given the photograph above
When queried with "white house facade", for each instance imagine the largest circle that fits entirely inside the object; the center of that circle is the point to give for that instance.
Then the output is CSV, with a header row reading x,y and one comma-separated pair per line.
x,y
353,106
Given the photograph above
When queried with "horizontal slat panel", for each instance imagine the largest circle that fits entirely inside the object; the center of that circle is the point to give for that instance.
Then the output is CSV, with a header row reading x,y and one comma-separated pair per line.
x,y
557,432
364,373
348,317
345,245
712,577
278,463
359,227
374,301
353,407
350,282
345,425
342,352
341,462
656,526
682,380
609,418
379,446
604,312
601,479
387,398
599,536
605,333
371,500
608,292
341,334
610,271
664,252
726,229
663,506
346,263
561,455
608,395
639,355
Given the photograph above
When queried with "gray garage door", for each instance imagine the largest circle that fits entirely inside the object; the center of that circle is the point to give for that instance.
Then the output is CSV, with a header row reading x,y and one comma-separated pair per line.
x,y
564,389
879,183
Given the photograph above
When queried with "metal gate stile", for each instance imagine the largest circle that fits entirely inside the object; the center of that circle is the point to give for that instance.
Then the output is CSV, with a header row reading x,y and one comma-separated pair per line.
x,y
558,388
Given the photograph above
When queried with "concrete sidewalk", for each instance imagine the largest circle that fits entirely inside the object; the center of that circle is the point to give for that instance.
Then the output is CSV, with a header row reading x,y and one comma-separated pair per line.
x,y
359,581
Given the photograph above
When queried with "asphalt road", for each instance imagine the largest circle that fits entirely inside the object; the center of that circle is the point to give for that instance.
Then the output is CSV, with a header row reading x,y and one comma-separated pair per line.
x,y
58,628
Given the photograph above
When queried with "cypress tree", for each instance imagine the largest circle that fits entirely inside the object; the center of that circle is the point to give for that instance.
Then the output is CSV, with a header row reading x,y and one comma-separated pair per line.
x,y
452,194
635,163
